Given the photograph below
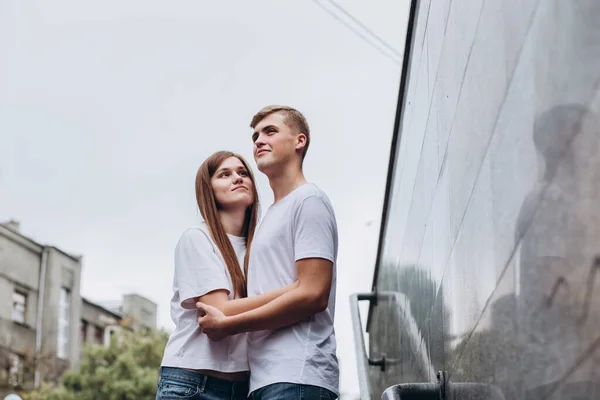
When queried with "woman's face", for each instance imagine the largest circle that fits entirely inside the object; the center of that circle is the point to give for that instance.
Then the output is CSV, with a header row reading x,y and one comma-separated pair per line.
x,y
232,185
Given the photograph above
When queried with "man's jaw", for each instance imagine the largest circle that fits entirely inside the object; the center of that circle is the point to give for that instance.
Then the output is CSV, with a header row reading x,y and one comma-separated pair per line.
x,y
264,167
261,160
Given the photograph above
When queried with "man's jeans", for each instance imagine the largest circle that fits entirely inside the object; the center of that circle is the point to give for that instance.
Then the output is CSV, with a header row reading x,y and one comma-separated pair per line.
x,y
182,384
292,391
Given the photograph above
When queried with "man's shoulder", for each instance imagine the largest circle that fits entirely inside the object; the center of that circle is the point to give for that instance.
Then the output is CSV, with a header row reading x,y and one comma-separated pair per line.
x,y
313,203
311,190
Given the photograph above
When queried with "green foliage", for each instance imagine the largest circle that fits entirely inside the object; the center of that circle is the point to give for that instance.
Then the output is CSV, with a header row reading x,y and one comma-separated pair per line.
x,y
48,392
126,370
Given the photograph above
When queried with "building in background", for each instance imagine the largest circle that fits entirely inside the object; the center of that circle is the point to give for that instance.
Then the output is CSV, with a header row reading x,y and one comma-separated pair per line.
x,y
97,324
137,311
40,307
44,321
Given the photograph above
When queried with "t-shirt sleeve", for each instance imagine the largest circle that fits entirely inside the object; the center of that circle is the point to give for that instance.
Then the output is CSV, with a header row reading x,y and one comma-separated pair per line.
x,y
198,269
315,230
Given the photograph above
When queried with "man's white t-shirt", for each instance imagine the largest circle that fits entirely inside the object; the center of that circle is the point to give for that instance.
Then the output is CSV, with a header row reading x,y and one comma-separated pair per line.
x,y
200,269
301,225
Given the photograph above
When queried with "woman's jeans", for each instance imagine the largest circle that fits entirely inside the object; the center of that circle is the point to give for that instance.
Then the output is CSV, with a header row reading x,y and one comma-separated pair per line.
x,y
292,391
183,384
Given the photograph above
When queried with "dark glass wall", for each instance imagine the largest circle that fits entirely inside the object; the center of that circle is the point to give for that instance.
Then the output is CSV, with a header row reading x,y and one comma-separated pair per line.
x,y
492,239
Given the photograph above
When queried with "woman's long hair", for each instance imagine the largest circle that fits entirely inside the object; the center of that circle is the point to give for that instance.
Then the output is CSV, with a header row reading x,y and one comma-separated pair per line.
x,y
207,203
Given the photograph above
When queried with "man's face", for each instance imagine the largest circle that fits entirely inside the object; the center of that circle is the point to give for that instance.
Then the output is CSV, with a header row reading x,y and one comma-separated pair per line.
x,y
275,143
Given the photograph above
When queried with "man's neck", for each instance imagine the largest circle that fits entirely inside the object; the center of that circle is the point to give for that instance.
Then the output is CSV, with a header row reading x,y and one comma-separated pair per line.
x,y
285,182
233,221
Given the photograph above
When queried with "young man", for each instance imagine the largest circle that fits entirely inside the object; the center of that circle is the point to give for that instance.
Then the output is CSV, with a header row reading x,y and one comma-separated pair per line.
x,y
291,344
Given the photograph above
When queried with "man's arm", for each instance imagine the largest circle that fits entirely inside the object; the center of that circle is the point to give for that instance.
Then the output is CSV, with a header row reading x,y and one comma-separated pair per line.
x,y
308,298
220,300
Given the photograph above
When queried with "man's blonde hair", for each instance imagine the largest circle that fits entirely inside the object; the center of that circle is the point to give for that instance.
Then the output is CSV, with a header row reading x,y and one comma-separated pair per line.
x,y
291,117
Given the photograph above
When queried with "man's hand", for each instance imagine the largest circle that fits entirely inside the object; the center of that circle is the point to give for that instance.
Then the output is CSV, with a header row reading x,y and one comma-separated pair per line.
x,y
212,322
301,302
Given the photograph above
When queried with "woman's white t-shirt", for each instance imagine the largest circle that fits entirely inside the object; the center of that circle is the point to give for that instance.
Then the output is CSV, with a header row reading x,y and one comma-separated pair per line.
x,y
200,269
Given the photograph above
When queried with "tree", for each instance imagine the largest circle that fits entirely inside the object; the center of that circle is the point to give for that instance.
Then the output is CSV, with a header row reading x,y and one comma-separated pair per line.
x,y
126,370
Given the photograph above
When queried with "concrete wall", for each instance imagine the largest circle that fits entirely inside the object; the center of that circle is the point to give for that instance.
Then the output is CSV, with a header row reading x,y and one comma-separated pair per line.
x,y
98,315
63,272
493,230
19,270
19,260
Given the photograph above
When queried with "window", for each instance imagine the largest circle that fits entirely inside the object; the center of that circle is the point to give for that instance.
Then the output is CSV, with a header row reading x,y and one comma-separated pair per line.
x,y
19,300
98,335
83,327
15,370
113,334
64,311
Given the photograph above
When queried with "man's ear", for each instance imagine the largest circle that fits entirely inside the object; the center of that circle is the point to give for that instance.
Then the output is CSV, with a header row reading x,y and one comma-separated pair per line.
x,y
300,141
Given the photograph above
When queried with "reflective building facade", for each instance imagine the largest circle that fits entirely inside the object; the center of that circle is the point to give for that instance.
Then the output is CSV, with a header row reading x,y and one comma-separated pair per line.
x,y
490,243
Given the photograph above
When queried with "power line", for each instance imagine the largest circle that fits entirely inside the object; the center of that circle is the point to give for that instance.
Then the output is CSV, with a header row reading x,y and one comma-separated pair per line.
x,y
369,36
369,31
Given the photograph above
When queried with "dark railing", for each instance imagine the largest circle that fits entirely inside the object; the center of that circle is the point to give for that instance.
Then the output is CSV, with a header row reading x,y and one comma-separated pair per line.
x,y
396,134
406,328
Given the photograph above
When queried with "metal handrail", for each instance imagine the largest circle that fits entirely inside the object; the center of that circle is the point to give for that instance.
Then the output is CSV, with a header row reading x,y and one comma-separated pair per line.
x,y
406,325
362,359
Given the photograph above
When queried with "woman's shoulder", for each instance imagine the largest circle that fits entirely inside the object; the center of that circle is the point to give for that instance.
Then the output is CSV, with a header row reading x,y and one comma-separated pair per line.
x,y
196,236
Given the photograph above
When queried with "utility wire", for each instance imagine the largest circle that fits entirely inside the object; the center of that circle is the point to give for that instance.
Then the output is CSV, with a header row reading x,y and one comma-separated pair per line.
x,y
369,31
369,36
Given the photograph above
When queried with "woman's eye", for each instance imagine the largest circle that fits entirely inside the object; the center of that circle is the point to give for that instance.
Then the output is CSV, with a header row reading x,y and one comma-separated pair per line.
x,y
243,173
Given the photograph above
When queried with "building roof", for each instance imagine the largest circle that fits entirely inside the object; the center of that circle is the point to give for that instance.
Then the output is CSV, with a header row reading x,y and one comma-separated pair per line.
x,y
113,312
12,232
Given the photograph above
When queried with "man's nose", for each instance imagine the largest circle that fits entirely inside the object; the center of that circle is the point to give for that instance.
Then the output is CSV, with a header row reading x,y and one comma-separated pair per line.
x,y
260,141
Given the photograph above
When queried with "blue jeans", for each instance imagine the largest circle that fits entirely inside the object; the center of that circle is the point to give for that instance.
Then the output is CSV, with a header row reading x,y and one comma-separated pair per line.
x,y
183,384
292,391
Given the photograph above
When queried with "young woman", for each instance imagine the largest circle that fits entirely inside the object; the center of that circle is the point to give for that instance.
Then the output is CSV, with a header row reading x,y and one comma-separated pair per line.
x,y
211,265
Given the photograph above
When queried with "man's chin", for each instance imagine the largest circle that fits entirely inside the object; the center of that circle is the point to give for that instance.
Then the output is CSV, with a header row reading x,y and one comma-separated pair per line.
x,y
263,166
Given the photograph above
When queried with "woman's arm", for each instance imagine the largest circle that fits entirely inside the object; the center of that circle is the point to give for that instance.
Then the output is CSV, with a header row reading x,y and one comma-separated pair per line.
x,y
219,299
199,270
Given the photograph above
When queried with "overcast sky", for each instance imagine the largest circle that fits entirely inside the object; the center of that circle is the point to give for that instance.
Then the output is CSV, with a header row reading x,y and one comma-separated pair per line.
x,y
107,109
